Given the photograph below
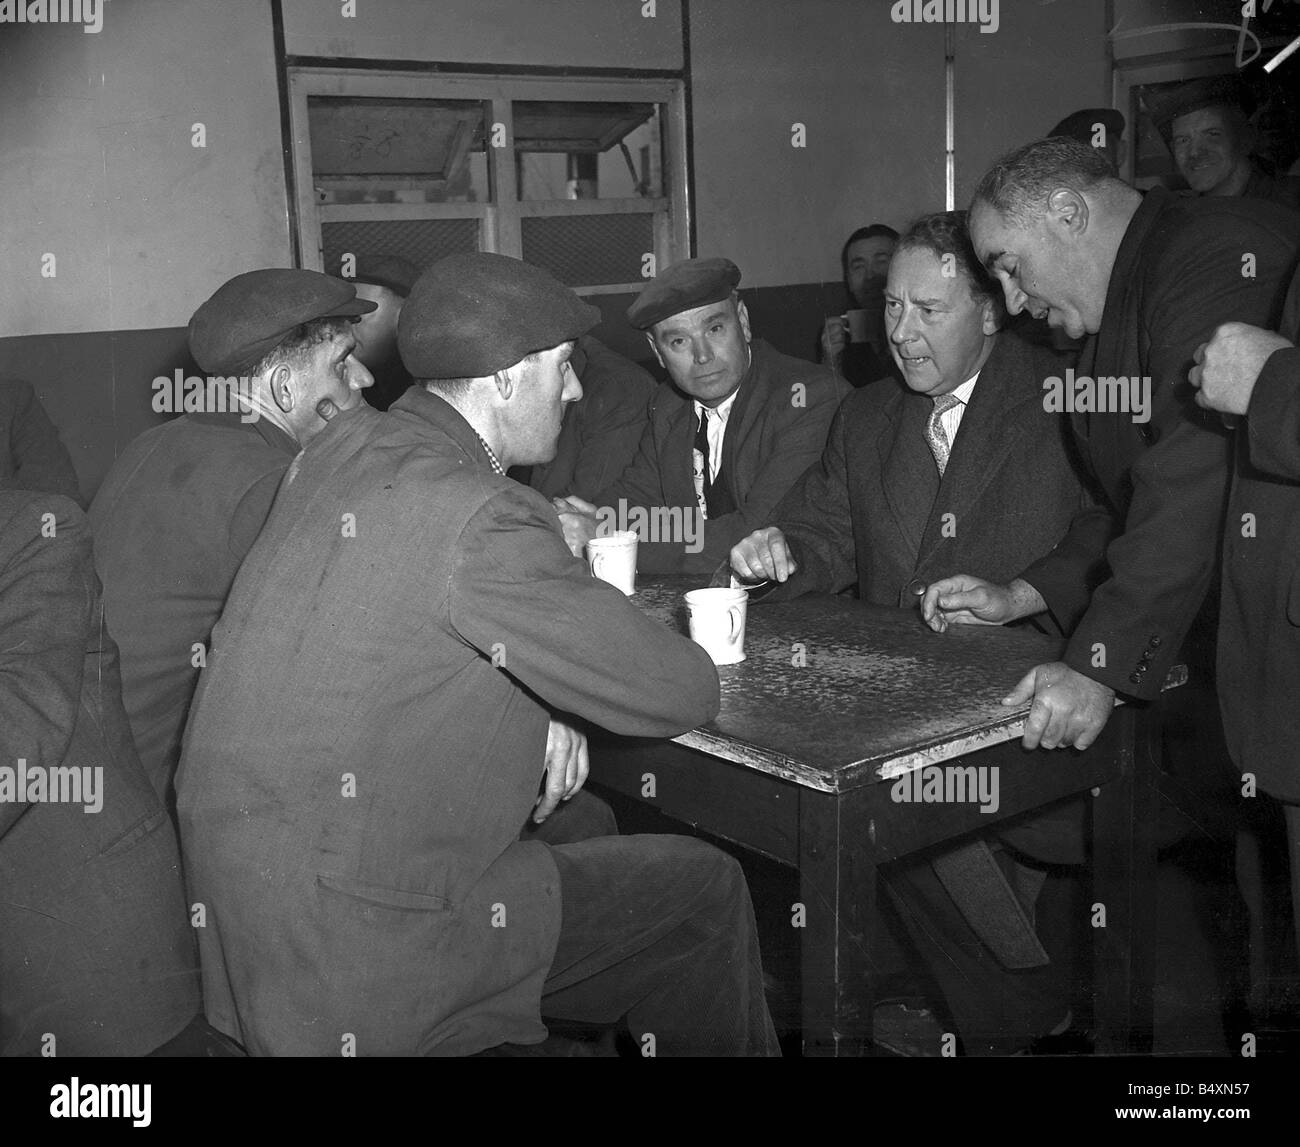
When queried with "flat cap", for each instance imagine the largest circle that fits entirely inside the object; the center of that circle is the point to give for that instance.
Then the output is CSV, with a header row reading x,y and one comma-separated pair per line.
x,y
391,271
1080,125
472,314
1212,91
691,283
254,312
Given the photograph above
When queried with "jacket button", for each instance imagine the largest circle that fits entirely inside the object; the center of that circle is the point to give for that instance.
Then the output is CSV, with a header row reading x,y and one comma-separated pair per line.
x,y
915,588
1155,641
1136,678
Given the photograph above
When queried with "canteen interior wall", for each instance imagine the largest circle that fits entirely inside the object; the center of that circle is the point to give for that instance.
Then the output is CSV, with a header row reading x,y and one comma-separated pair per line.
x,y
99,168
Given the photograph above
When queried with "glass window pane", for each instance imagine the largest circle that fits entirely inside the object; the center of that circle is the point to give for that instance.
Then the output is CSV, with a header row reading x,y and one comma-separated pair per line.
x,y
589,250
422,241
366,150
586,150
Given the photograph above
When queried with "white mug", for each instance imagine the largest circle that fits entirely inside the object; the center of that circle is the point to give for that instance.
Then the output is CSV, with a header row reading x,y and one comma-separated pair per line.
x,y
855,323
613,559
717,618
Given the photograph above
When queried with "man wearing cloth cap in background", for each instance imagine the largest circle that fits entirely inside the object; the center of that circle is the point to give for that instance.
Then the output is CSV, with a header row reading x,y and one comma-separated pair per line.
x,y
1206,124
384,280
383,680
727,439
182,505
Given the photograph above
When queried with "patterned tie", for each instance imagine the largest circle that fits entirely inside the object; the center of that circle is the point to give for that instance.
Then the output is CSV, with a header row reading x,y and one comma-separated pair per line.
x,y
935,436
700,459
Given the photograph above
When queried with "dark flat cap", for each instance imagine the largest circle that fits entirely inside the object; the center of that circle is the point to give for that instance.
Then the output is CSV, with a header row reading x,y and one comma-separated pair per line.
x,y
692,283
253,313
1213,91
391,271
1081,124
472,314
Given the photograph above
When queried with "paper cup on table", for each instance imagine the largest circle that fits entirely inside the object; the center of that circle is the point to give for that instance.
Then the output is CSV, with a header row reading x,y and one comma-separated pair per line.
x,y
717,618
613,559
856,321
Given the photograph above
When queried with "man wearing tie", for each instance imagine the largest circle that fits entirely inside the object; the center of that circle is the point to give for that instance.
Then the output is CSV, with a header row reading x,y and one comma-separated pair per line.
x,y
738,424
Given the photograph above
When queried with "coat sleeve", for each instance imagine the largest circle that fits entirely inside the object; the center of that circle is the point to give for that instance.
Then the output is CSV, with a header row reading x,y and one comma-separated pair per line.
x,y
1273,417
47,603
40,460
613,424
574,641
817,520
639,483
1162,563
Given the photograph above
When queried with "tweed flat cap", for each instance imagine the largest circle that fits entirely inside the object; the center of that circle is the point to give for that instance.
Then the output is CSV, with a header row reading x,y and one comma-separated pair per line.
x,y
692,283
253,313
472,314
1210,92
391,271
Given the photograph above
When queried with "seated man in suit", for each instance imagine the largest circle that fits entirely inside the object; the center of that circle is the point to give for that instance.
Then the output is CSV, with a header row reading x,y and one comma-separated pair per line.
x,y
358,763
959,466
96,951
601,430
31,455
738,424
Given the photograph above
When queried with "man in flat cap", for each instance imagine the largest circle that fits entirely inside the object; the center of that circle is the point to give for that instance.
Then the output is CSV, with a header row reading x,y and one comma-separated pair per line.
x,y
359,762
179,509
384,280
738,424
1207,126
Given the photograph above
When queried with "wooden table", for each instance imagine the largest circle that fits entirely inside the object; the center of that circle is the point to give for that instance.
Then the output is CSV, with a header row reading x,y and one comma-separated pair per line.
x,y
835,702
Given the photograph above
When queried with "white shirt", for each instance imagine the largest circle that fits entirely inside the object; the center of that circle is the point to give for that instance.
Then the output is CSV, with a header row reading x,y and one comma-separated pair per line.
x,y
950,419
715,427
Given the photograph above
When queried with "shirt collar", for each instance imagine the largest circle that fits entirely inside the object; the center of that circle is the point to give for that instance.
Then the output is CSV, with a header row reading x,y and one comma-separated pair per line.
x,y
721,412
963,392
492,458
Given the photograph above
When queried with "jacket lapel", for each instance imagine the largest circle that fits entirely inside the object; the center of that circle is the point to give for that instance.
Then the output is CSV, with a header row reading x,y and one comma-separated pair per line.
x,y
908,473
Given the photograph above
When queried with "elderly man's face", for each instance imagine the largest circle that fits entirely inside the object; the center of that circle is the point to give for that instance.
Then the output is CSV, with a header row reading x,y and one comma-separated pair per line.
x,y
867,265
544,385
376,331
705,350
1044,269
1209,148
938,333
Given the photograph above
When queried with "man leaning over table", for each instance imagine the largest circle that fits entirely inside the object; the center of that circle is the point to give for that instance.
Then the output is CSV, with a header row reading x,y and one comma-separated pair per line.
x,y
728,436
957,467
358,762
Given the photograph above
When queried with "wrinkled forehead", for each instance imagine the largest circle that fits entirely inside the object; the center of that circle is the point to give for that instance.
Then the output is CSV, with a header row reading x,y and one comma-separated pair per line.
x,y
686,322
922,273
993,236
1205,119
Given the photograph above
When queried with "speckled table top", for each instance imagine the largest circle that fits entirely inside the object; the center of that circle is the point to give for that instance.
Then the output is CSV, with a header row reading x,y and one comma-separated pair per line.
x,y
877,693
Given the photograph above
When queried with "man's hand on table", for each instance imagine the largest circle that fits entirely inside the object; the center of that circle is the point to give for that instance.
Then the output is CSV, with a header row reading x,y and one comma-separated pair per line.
x,y
763,556
966,600
578,521
1068,709
566,767
1227,367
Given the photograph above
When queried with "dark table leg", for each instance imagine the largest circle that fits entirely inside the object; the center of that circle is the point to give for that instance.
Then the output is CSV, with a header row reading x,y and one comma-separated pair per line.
x,y
1125,818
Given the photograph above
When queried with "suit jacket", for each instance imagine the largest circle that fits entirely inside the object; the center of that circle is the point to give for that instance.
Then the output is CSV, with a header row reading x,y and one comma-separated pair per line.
x,y
1259,626
600,432
31,455
173,520
874,511
95,944
1178,274
774,433
369,735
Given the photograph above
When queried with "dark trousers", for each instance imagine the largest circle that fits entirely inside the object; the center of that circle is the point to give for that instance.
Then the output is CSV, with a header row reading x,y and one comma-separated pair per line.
x,y
660,930
996,1011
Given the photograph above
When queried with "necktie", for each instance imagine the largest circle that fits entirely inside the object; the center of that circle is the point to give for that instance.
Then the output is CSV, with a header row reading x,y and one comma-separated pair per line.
x,y
935,436
703,483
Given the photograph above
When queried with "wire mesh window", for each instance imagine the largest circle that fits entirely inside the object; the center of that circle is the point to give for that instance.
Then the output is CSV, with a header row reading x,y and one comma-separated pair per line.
x,y
423,241
589,250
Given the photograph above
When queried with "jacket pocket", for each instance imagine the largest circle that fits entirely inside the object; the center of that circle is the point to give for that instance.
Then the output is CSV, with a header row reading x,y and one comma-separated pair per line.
x,y
381,896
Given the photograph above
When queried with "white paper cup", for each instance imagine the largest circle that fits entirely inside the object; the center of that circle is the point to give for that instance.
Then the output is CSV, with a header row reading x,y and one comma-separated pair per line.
x,y
856,321
613,559
717,618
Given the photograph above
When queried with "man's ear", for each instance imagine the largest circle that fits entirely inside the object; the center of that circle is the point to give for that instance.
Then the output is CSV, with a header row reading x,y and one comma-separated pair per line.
x,y
654,346
506,383
279,384
742,313
1070,209
989,317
